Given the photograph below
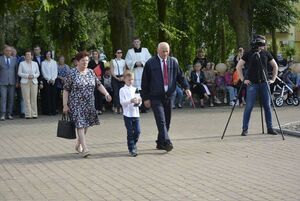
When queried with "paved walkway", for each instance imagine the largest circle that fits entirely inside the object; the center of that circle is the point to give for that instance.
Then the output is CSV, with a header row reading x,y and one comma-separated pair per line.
x,y
35,165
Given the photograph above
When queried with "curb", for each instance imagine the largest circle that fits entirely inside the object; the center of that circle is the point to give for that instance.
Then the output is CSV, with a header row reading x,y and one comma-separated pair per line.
x,y
288,132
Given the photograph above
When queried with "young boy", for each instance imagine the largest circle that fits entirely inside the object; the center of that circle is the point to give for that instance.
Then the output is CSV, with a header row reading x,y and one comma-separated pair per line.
x,y
130,102
107,84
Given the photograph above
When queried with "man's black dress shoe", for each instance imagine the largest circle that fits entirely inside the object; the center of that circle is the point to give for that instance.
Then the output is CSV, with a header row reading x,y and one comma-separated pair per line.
x,y
244,133
271,131
160,147
168,146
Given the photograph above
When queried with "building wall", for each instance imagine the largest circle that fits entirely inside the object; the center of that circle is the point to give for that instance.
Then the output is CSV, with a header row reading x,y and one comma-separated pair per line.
x,y
289,38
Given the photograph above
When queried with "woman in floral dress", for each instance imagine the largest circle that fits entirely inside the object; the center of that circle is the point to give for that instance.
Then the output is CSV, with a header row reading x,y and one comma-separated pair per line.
x,y
79,100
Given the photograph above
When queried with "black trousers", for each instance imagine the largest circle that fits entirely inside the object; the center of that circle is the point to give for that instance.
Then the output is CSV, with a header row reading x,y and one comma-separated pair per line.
x,y
116,85
98,99
162,113
59,104
49,95
199,90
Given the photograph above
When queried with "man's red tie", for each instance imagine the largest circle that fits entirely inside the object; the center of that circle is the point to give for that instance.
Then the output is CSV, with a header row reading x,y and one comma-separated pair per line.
x,y
166,77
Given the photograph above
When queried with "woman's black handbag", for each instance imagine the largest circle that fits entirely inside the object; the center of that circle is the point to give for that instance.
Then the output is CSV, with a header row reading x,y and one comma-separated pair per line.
x,y
66,128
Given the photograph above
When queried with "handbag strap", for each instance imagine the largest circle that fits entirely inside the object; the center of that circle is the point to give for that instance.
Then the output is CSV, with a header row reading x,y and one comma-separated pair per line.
x,y
65,117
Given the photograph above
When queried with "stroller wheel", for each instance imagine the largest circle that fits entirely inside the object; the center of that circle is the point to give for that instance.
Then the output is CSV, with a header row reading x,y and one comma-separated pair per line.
x,y
279,101
295,101
290,101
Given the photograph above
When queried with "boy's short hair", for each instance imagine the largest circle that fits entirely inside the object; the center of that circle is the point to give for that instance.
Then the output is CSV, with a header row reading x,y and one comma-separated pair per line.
x,y
129,74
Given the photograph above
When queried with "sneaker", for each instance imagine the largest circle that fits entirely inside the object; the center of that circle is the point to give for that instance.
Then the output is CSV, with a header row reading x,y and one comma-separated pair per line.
x,y
133,153
243,100
244,133
9,117
2,118
179,106
271,131
225,100
115,110
84,154
211,105
217,101
231,103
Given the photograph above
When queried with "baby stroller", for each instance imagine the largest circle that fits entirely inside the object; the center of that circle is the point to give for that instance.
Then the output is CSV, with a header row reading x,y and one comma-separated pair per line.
x,y
284,93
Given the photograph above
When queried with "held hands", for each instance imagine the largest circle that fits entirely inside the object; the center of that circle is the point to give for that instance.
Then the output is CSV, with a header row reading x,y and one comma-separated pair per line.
x,y
30,76
138,64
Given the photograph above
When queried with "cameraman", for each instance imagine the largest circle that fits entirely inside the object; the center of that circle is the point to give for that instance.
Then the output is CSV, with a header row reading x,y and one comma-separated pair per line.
x,y
256,61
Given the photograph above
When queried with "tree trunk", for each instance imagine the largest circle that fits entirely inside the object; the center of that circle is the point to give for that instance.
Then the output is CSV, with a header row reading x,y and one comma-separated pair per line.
x,y
239,18
162,11
274,45
121,24
223,41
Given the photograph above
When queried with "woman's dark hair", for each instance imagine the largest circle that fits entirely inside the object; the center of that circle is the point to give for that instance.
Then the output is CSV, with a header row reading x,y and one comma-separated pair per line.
x,y
197,63
117,49
47,53
81,55
28,50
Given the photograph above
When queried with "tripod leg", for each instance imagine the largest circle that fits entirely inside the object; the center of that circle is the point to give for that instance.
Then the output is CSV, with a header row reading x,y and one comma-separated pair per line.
x,y
261,111
240,89
273,105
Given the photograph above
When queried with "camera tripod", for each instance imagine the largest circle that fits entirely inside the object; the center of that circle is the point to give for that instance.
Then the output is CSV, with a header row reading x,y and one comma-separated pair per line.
x,y
260,100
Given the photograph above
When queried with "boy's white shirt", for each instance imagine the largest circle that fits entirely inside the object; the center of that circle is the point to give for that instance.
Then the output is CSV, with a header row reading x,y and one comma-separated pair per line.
x,y
126,94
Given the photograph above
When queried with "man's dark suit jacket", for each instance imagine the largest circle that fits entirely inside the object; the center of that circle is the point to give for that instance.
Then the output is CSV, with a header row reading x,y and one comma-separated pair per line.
x,y
153,82
40,78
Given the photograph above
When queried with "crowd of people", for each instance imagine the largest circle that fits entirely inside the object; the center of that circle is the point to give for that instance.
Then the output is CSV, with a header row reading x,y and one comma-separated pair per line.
x,y
128,85
37,80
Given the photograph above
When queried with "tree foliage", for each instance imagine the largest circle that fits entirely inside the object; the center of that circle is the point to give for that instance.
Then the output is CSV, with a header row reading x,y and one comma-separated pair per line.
x,y
70,25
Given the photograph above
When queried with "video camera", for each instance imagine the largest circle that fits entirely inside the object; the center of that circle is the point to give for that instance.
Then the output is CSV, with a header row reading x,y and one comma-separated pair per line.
x,y
258,41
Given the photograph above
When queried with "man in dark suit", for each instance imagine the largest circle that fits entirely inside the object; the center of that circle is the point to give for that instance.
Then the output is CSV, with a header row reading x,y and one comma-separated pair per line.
x,y
39,59
8,81
160,75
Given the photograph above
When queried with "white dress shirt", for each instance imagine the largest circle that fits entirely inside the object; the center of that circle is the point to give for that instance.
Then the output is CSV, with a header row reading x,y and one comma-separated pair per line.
x,y
126,94
162,70
26,69
119,66
49,69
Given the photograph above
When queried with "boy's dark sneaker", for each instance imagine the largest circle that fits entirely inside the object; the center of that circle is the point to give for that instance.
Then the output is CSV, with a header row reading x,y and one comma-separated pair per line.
x,y
133,154
244,133
271,131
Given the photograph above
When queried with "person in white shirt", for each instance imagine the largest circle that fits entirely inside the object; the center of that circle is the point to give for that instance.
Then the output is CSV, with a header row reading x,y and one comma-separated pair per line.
x,y
136,59
130,101
49,72
29,72
117,68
